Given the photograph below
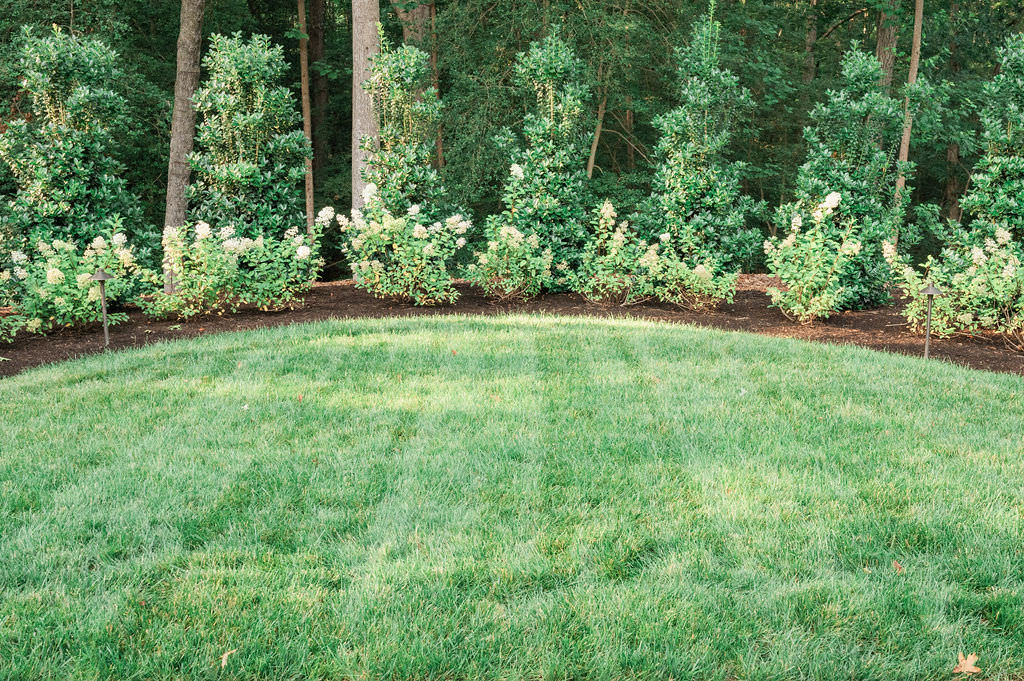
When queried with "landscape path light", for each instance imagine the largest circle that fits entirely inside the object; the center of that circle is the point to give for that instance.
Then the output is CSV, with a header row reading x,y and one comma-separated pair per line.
x,y
102,276
931,292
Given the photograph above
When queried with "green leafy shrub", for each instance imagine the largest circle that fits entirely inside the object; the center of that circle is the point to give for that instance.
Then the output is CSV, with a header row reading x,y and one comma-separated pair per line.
x,y
815,260
218,272
408,111
690,285
251,153
697,196
616,268
979,268
68,182
406,258
982,283
852,148
514,266
51,286
545,192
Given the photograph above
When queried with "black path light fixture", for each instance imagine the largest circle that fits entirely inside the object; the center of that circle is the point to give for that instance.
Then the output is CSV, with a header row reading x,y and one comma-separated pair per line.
x,y
102,276
931,292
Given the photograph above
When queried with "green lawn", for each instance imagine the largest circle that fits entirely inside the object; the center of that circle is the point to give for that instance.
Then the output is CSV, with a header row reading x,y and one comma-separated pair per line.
x,y
509,498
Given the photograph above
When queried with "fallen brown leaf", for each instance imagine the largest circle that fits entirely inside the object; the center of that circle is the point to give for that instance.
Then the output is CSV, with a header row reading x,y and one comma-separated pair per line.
x,y
899,568
965,665
224,657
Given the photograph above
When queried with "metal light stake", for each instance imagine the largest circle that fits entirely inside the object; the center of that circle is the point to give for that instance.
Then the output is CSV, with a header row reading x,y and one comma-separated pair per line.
x,y
103,277
931,292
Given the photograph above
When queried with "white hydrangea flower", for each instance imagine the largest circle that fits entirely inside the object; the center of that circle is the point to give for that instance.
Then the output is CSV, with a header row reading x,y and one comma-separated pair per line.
x,y
325,215
608,211
54,276
98,244
20,273
124,256
797,222
517,171
420,232
888,251
120,239
414,209
34,325
226,233
460,242
59,301
702,272
303,252
291,233
832,200
203,231
5,275
170,233
665,237
1009,271
428,249
1003,235
18,257
850,248
768,246
978,256
369,191
83,280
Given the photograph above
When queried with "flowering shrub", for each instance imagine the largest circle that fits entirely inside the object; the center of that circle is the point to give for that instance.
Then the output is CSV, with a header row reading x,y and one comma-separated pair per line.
x,y
67,180
697,197
617,266
514,266
401,257
546,189
979,268
699,286
408,113
982,283
816,263
852,146
214,273
251,154
51,285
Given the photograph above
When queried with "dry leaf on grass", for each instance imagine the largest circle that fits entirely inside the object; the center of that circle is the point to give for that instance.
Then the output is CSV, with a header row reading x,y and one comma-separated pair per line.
x,y
965,665
899,568
225,656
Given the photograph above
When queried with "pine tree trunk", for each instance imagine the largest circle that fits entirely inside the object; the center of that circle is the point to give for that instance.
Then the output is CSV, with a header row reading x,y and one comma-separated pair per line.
x,y
183,120
365,16
885,44
321,94
307,116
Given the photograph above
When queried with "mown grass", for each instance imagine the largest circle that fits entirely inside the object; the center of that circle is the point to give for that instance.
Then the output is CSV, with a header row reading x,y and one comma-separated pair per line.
x,y
509,498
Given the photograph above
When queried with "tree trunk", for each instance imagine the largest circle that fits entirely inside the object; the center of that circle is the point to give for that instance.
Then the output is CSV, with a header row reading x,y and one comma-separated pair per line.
x,y
183,120
592,161
317,40
365,16
908,118
952,191
885,44
811,37
307,116
416,22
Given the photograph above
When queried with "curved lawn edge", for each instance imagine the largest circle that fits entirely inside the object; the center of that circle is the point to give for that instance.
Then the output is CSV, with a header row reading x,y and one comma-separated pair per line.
x,y
230,340
882,329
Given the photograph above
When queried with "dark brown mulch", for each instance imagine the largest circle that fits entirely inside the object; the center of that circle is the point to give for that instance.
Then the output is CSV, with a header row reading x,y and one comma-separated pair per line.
x,y
881,329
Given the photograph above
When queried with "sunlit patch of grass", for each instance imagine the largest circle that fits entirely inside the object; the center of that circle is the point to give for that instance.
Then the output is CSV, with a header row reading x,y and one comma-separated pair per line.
x,y
509,498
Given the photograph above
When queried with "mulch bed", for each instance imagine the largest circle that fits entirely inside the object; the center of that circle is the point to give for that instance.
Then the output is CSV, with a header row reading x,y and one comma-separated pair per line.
x,y
883,329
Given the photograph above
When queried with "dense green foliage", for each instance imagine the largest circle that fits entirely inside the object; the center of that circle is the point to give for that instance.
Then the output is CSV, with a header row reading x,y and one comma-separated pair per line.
x,y
851,149
698,198
545,191
980,267
68,183
251,154
509,498
408,113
